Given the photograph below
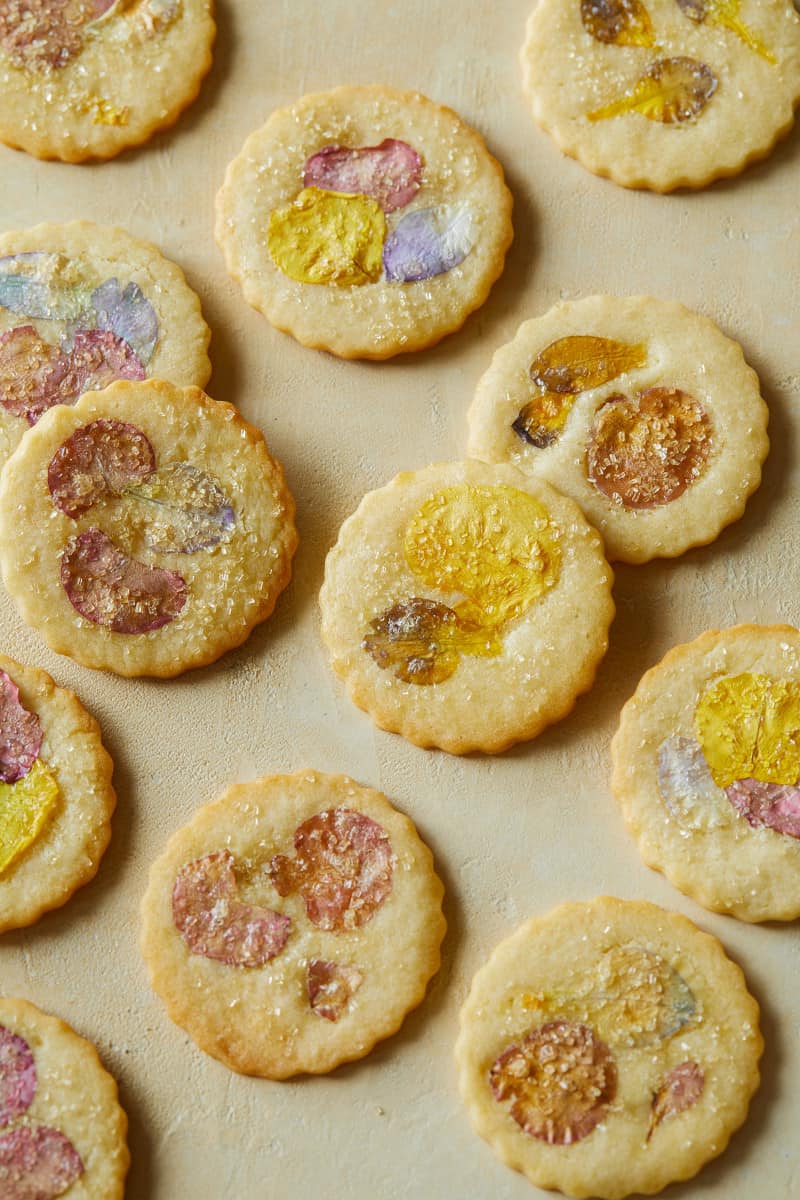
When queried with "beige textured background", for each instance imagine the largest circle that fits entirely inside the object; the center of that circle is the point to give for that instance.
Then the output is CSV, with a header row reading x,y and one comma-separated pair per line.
x,y
513,835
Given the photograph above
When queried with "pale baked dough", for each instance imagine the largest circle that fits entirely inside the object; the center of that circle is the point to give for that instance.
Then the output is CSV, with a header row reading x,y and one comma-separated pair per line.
x,y
98,253
75,1096
138,68
372,320
658,994
683,350
258,1019
66,853
231,586
550,651
568,73
702,844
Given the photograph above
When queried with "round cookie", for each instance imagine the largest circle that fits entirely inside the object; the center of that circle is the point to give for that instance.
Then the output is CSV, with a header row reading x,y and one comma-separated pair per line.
x,y
640,410
85,78
707,770
293,924
163,530
62,1131
608,1047
663,94
365,221
466,606
56,798
82,305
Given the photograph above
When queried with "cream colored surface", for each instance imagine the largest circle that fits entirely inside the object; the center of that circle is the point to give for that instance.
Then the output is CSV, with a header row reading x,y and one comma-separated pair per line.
x,y
258,1020
512,835
683,351
239,579
181,352
76,1095
139,67
752,873
569,73
381,319
67,851
559,953
549,652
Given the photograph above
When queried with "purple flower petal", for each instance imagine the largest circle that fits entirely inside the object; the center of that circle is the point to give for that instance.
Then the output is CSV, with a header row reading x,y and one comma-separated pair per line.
x,y
129,314
428,242
390,173
188,511
111,589
17,1073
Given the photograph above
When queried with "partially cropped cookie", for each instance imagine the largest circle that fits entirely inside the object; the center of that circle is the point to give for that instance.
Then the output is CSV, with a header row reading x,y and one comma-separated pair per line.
x,y
83,79
62,1131
56,798
365,221
146,529
707,770
663,94
640,410
293,924
608,1048
466,606
82,305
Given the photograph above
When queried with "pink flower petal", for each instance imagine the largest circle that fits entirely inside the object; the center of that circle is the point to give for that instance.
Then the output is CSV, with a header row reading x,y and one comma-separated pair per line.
x,y
215,923
330,987
108,588
343,868
17,1076
37,1163
99,459
390,173
776,805
32,373
20,734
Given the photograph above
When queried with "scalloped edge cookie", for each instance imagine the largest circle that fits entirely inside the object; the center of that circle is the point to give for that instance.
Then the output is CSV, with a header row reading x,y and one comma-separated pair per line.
x,y
258,1019
374,320
614,1157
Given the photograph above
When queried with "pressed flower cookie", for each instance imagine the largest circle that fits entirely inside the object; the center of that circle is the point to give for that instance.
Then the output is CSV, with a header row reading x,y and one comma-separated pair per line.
x,y
640,410
62,1131
293,924
56,798
82,305
365,221
707,770
146,529
85,78
607,1048
466,606
663,93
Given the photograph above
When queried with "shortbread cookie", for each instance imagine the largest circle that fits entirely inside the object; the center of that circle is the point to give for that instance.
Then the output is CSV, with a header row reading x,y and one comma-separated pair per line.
x,y
293,924
56,798
365,221
608,1048
85,78
640,410
82,305
62,1131
163,530
466,606
707,770
663,93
